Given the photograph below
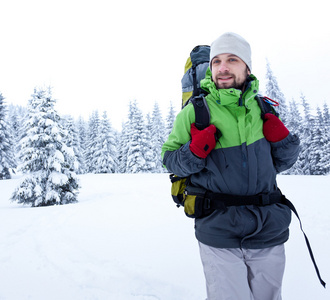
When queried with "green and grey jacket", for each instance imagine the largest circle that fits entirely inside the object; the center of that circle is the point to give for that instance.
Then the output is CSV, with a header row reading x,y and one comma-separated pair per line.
x,y
242,163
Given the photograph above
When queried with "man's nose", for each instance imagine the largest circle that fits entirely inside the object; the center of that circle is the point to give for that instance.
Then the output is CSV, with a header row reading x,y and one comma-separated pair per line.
x,y
223,68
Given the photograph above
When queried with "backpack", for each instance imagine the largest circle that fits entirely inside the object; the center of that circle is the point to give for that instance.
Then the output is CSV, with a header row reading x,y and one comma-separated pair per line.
x,y
194,71
197,202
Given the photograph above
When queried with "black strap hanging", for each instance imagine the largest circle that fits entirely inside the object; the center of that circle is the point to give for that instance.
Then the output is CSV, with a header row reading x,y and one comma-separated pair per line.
x,y
291,206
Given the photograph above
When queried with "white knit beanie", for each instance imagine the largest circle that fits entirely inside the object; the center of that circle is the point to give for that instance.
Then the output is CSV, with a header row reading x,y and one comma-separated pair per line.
x,y
232,43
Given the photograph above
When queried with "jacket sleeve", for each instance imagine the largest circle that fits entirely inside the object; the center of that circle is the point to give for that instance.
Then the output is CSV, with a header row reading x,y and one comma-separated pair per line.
x,y
285,153
176,155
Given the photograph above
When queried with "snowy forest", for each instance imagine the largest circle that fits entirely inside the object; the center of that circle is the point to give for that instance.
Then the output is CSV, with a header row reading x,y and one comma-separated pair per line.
x,y
50,150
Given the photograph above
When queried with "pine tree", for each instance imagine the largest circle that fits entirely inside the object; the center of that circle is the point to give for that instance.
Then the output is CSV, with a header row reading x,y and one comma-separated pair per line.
x,y
82,136
7,160
170,120
16,119
317,144
158,133
294,123
139,154
150,154
14,123
325,159
91,145
71,139
125,138
273,91
123,147
48,164
294,119
306,137
105,157
326,116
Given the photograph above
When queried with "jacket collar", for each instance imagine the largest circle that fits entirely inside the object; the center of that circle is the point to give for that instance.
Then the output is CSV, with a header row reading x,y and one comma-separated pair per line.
x,y
231,97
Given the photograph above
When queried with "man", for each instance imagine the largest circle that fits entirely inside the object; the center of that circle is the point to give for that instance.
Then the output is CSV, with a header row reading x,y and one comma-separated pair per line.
x,y
241,246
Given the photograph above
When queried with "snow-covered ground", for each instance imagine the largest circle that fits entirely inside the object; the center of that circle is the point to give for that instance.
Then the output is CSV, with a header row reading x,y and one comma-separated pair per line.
x,y
126,240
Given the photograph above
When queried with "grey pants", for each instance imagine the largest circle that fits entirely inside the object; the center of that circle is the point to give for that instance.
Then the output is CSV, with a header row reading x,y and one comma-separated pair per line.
x,y
243,274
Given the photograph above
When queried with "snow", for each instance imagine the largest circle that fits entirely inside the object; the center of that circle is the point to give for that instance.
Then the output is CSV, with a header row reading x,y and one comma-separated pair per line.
x,y
58,178
126,240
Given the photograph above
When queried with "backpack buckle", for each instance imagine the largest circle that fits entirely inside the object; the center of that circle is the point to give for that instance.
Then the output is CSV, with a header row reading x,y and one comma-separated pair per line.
x,y
207,203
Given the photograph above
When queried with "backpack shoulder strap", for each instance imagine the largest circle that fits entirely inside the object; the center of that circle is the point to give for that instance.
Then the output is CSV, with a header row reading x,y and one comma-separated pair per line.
x,y
265,106
202,113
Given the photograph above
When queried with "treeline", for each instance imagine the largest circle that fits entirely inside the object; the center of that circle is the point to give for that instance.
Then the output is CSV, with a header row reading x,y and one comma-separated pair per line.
x,y
312,127
98,148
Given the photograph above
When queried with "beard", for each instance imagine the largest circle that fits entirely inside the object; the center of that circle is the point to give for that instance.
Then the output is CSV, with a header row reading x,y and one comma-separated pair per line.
x,y
236,83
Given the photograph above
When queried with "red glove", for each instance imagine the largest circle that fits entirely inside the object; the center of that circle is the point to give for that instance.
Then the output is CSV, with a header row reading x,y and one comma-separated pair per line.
x,y
202,141
274,129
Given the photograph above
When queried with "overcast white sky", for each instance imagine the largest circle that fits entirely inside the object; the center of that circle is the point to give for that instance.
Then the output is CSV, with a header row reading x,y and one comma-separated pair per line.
x,y
100,54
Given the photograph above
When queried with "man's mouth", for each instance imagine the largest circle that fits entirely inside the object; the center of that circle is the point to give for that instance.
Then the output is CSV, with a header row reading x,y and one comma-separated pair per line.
x,y
225,78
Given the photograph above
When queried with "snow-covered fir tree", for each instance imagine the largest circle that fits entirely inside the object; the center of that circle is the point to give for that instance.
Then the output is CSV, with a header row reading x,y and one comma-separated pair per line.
x,y
326,148
294,124
105,156
150,155
47,162
124,140
71,139
274,92
326,115
158,135
294,119
139,154
82,126
170,118
7,160
91,145
16,119
123,147
148,123
306,137
318,141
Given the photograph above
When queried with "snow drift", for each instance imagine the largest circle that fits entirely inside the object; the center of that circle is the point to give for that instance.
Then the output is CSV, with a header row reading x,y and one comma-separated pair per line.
x,y
126,240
